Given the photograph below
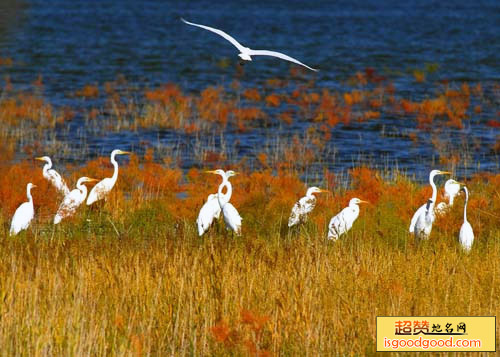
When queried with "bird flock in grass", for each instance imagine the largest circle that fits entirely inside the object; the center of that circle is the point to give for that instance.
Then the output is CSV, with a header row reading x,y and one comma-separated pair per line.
x,y
72,199
217,203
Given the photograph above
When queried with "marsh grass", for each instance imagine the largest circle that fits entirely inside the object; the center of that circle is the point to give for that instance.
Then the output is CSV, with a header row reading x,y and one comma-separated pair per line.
x,y
296,119
133,278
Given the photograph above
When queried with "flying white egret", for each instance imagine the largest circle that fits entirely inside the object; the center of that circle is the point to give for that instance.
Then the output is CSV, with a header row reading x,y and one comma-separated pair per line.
x,y
422,220
342,222
53,176
304,206
466,236
451,190
102,189
245,52
73,200
232,218
24,213
211,209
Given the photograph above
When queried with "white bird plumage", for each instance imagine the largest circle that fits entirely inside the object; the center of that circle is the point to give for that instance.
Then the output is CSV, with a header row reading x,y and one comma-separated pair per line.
x,y
73,200
342,222
304,206
422,220
102,189
211,209
24,213
247,53
451,190
466,235
53,176
208,212
232,218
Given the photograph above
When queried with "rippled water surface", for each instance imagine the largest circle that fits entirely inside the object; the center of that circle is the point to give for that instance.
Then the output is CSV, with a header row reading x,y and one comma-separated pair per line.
x,y
74,43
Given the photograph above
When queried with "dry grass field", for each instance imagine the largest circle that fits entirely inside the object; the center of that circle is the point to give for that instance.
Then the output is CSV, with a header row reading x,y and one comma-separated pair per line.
x,y
132,277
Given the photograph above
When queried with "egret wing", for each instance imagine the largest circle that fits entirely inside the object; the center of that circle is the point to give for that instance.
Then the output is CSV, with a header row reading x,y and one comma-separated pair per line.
x,y
466,236
417,214
22,218
218,32
58,182
232,218
337,226
70,203
294,215
301,209
100,190
279,55
209,212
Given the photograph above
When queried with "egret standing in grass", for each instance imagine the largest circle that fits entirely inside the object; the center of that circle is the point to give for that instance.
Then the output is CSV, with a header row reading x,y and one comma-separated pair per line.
x,y
245,52
208,213
451,190
73,200
24,213
342,222
232,218
211,209
53,176
421,223
102,189
466,235
304,206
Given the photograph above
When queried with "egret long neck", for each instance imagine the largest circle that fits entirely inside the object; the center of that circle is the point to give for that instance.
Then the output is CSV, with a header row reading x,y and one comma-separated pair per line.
x,y
224,198
465,205
47,167
434,189
82,188
28,194
115,164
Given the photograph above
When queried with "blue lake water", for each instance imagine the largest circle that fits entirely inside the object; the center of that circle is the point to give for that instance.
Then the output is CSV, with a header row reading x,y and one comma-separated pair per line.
x,y
73,43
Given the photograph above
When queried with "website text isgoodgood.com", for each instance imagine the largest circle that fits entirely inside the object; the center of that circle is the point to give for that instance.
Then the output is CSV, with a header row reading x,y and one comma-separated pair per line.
x,y
425,343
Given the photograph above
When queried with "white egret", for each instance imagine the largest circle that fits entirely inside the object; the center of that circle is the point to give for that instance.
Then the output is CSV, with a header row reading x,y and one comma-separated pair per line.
x,y
211,209
53,176
102,189
342,222
232,218
73,200
245,52
304,206
466,236
24,213
451,190
422,220
209,212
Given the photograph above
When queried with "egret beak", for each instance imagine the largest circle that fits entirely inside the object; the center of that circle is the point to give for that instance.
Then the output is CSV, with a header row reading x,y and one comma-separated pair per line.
x,y
92,180
361,201
125,153
325,191
445,172
33,186
210,172
39,158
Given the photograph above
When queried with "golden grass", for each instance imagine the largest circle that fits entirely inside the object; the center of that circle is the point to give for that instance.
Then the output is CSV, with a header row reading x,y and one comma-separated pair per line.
x,y
133,278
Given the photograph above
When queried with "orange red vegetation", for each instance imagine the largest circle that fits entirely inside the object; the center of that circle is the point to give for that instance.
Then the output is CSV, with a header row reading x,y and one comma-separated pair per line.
x,y
88,91
252,94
